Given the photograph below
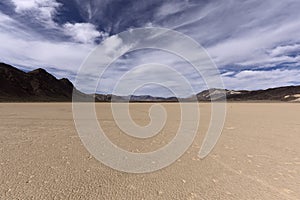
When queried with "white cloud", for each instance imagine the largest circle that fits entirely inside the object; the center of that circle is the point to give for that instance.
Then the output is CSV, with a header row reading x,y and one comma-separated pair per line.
x,y
22,5
284,49
20,46
82,32
37,53
263,79
154,76
112,45
44,10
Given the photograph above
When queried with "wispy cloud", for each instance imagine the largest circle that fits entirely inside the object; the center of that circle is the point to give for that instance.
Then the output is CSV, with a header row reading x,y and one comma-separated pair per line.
x,y
252,42
262,79
26,48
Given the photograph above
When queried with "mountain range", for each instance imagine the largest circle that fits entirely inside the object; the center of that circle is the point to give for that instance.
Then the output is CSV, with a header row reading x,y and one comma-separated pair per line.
x,y
40,86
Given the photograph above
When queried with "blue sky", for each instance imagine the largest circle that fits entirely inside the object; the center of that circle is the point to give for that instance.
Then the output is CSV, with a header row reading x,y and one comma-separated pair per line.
x,y
255,44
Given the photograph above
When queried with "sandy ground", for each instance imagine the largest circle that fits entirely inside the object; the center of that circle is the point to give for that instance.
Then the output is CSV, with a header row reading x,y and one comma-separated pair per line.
x,y
257,156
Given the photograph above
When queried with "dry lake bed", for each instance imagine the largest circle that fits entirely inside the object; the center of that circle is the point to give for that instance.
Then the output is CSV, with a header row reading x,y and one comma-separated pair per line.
x,y
256,157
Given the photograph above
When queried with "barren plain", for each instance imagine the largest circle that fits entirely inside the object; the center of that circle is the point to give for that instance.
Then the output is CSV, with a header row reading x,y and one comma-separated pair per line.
x,y
256,157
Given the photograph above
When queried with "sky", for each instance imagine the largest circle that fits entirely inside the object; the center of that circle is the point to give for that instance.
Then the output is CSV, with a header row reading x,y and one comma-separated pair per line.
x,y
255,44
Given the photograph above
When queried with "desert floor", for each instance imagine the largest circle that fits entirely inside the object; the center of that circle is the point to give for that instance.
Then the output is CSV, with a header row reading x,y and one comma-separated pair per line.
x,y
257,156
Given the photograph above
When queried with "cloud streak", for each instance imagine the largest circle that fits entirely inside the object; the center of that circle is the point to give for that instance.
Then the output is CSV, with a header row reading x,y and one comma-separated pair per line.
x,y
251,42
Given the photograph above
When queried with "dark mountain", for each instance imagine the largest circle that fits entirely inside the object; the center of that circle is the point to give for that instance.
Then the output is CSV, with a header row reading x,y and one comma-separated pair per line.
x,y
39,85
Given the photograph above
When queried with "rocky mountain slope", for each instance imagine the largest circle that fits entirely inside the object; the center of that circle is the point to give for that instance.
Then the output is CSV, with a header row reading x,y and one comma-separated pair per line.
x,y
37,85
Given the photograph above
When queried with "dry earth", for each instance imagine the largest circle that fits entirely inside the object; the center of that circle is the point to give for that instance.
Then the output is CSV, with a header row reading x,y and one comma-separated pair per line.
x,y
257,156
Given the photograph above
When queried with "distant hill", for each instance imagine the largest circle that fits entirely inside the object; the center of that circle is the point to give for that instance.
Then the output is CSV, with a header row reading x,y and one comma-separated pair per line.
x,y
288,93
40,86
133,98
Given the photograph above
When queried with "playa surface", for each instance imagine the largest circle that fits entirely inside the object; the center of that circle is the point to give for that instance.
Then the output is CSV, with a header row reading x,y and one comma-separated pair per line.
x,y
257,156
